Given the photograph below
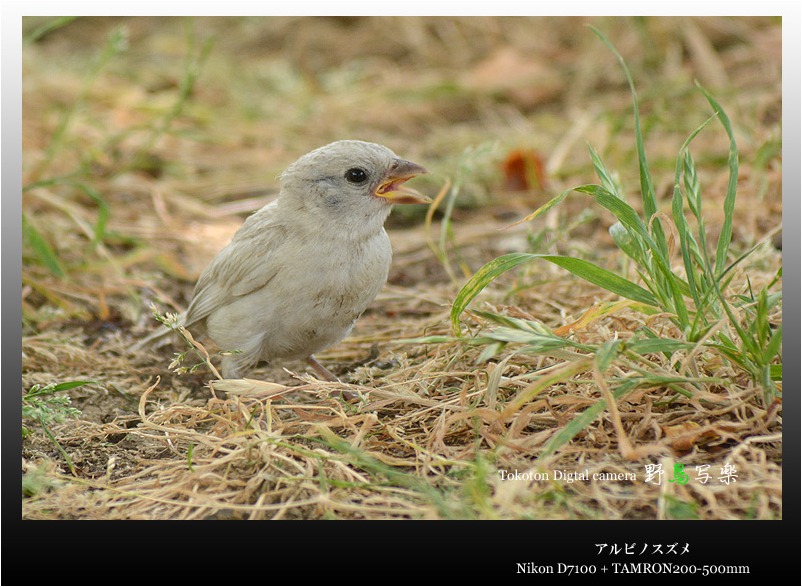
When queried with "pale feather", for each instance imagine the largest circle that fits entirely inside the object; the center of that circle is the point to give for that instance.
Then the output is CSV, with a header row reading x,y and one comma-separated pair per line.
x,y
243,266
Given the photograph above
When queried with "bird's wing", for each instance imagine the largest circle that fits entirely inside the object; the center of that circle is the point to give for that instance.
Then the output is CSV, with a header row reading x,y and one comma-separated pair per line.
x,y
246,264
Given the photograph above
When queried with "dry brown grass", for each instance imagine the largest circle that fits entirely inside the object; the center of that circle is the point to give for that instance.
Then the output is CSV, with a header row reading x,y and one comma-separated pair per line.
x,y
433,427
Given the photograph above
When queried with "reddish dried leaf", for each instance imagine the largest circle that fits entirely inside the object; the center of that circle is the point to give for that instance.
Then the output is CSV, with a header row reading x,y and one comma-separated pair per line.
x,y
524,170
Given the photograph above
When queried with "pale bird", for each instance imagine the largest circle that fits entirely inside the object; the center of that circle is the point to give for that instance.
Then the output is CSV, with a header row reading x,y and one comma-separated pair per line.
x,y
300,271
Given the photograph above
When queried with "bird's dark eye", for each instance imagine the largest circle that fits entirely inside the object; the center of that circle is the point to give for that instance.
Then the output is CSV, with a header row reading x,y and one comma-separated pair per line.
x,y
356,175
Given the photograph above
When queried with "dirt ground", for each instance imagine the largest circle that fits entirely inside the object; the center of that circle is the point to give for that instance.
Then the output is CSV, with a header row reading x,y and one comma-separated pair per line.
x,y
147,141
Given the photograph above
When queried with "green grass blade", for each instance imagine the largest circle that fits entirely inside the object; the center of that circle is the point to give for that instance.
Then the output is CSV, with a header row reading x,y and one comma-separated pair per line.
x,y
491,350
658,345
625,213
773,346
647,185
116,43
547,381
583,420
663,282
760,324
194,62
448,508
546,207
626,242
60,448
685,162
603,278
629,218
534,343
43,251
529,326
480,280
732,185
607,353
776,372
57,388
579,267
102,205
102,211
601,170
685,242
48,27
631,221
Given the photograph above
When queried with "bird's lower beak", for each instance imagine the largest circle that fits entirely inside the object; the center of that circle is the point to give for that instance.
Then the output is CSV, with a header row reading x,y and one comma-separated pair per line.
x,y
392,190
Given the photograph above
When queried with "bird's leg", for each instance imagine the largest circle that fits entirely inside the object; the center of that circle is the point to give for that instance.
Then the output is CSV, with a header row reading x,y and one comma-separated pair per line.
x,y
329,376
324,373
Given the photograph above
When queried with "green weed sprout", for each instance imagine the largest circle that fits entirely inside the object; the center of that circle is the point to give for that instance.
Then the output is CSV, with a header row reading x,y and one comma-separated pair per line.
x,y
694,301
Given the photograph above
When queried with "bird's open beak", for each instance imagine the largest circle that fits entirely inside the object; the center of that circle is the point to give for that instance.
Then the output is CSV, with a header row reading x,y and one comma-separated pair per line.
x,y
391,188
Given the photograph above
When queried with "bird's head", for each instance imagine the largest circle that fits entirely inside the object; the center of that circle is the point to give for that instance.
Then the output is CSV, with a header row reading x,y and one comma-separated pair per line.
x,y
353,178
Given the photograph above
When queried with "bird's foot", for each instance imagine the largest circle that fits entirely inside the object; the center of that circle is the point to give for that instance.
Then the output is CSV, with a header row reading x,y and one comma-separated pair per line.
x,y
327,375
322,372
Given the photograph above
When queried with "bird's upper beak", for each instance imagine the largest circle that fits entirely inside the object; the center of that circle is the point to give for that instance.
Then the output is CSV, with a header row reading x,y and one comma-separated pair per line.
x,y
391,188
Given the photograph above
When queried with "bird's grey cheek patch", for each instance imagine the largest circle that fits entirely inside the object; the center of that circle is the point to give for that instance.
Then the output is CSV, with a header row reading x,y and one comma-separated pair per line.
x,y
333,202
